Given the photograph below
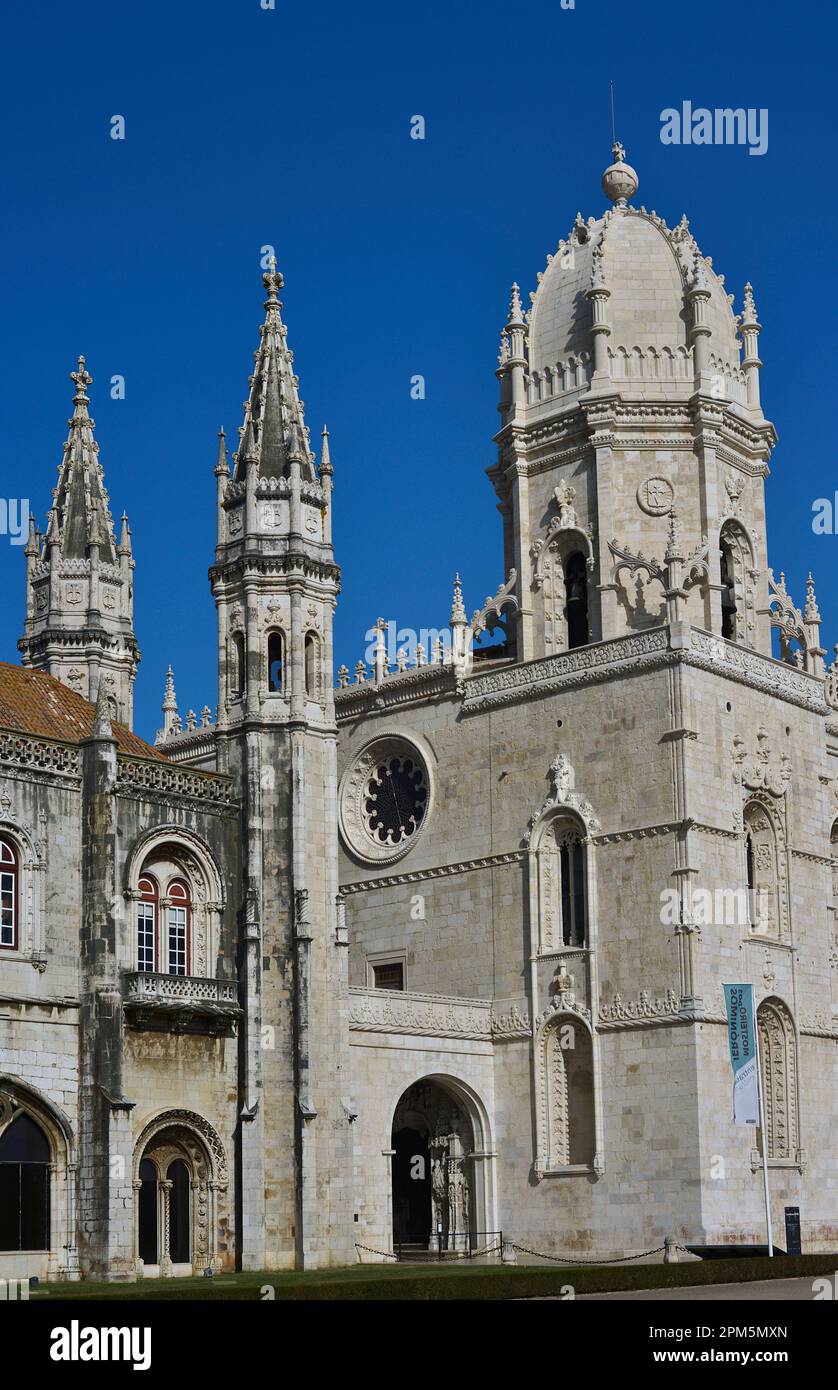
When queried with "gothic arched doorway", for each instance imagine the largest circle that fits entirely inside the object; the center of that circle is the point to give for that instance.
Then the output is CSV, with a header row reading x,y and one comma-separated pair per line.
x,y
432,1162
178,1177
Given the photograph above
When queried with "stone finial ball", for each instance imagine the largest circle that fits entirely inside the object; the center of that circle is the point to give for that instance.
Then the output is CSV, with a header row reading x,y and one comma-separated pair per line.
x,y
619,182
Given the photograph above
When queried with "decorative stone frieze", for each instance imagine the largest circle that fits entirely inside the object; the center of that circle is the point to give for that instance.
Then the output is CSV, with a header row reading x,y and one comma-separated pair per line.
x,y
428,1015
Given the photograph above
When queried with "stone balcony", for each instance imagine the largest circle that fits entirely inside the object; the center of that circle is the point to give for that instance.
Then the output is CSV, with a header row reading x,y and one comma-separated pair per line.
x,y
181,1003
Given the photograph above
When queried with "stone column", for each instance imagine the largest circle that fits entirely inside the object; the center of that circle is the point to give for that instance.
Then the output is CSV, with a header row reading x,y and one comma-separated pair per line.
x,y
165,1188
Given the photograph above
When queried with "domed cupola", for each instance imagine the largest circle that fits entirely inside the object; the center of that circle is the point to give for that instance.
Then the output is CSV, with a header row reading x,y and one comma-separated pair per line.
x,y
645,275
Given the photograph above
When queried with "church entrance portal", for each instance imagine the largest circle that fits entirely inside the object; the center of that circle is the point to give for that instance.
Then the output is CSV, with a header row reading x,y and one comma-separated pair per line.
x,y
432,1145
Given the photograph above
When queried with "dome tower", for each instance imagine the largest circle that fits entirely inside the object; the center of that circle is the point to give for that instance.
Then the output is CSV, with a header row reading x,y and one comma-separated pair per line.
x,y
629,391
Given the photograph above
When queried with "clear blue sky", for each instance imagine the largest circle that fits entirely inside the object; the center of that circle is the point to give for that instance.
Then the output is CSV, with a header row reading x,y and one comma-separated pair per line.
x,y
290,126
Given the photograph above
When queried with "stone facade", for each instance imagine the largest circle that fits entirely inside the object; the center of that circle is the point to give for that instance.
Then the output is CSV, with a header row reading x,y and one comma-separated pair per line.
x,y
438,955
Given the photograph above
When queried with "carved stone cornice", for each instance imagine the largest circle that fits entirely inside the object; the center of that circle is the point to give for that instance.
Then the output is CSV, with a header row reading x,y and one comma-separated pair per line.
x,y
640,832
747,667
644,1008
584,665
466,866
399,688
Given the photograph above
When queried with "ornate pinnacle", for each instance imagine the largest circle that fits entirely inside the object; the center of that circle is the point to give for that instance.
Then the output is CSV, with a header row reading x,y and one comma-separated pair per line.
x,y
170,699
811,613
749,310
273,282
325,455
102,721
673,544
516,315
125,536
82,379
221,466
458,612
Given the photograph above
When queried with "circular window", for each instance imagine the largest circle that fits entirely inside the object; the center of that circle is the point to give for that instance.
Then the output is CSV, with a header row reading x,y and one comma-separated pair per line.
x,y
385,800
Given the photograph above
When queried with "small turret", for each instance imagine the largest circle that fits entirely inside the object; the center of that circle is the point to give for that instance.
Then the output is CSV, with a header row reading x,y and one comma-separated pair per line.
x,y
79,605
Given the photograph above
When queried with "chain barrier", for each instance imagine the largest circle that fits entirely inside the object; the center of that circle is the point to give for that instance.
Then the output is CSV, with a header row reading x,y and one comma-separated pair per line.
x,y
525,1250
574,1260
434,1257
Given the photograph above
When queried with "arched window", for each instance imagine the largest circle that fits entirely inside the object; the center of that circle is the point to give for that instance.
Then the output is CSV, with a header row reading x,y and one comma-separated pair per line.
x,y
237,664
729,609
147,909
24,1186
737,574
177,1174
576,600
276,661
778,1068
148,1212
762,871
563,889
178,914
9,879
312,652
572,856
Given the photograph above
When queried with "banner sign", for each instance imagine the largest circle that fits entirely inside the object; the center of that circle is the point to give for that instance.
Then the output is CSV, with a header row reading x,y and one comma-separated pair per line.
x,y
739,1003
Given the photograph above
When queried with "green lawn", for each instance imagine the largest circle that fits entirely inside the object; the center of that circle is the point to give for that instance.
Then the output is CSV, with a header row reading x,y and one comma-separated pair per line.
x,y
437,1281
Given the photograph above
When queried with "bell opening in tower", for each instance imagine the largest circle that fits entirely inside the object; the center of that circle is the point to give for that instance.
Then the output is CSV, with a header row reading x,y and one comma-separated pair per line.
x,y
576,609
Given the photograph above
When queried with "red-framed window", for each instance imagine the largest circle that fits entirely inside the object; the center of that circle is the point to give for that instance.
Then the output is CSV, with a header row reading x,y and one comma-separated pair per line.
x,y
9,889
147,911
179,926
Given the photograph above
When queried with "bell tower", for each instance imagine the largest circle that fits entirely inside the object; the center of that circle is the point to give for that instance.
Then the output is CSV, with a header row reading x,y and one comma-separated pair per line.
x,y
79,583
275,584
629,397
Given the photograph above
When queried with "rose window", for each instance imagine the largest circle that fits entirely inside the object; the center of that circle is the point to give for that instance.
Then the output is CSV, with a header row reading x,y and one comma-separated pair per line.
x,y
385,800
395,800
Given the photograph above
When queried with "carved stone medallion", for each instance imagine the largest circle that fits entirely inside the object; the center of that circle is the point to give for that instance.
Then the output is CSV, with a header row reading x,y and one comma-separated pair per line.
x,y
655,496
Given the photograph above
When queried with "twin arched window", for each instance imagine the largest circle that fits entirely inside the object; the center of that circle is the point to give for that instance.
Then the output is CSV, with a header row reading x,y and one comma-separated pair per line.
x,y
9,883
276,663
164,943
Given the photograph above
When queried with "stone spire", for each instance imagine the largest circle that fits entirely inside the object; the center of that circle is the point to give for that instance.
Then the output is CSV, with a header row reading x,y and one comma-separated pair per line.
x,y
81,503
79,604
171,718
750,328
460,635
326,473
812,624
512,360
273,419
102,722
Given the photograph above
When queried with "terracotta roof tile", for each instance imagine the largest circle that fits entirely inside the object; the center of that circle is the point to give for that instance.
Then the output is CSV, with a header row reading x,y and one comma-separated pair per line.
x,y
31,702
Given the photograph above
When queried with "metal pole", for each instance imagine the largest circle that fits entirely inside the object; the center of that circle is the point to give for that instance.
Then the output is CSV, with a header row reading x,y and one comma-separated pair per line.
x,y
763,1137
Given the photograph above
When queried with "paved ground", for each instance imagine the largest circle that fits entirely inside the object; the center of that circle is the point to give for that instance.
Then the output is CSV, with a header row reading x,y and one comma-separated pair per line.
x,y
765,1290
